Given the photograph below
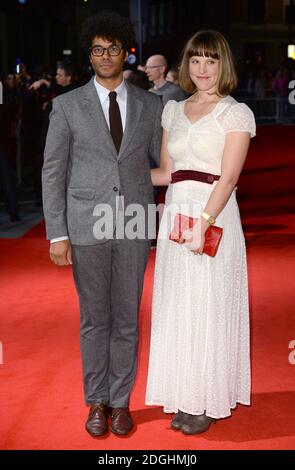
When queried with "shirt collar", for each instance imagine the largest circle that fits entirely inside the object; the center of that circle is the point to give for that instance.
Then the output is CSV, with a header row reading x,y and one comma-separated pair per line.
x,y
103,92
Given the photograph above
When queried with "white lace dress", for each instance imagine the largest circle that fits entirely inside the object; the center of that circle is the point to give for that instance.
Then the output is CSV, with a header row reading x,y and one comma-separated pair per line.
x,y
199,353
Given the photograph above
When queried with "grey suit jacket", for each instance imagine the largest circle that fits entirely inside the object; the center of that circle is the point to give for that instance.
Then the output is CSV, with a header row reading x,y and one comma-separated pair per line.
x,y
82,168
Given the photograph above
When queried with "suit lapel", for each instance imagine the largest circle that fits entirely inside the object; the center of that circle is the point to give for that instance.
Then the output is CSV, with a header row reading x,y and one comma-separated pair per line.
x,y
96,114
94,109
134,110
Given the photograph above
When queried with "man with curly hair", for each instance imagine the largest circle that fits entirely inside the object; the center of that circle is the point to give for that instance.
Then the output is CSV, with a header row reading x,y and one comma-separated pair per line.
x,y
100,141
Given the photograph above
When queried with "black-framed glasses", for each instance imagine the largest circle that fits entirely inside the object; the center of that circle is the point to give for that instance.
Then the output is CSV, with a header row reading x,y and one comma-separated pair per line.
x,y
98,51
147,67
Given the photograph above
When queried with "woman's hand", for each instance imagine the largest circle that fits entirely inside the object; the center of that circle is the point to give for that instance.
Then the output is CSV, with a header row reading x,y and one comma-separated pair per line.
x,y
194,239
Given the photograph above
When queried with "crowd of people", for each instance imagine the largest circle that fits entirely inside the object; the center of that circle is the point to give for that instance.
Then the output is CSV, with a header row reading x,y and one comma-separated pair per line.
x,y
264,82
27,97
24,118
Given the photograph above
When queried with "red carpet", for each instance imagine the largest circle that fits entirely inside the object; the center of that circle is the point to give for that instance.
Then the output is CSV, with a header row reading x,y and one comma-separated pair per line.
x,y
41,386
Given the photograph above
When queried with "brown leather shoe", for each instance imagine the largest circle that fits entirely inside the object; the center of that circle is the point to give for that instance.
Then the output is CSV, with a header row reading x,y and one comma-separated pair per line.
x,y
97,422
122,422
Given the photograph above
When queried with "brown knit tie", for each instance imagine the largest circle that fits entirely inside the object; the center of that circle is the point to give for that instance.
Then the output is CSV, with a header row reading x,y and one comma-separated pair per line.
x,y
116,128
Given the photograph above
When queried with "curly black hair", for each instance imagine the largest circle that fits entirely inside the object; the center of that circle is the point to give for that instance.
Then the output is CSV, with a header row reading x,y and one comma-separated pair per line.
x,y
108,25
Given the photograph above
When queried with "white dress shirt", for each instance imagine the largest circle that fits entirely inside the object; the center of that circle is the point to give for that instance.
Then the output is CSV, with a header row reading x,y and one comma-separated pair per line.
x,y
103,95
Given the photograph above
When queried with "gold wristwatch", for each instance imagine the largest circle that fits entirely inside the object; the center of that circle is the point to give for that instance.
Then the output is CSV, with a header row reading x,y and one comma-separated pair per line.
x,y
209,218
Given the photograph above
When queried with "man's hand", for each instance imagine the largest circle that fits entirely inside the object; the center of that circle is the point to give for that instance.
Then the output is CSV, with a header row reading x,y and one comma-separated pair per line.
x,y
61,253
38,83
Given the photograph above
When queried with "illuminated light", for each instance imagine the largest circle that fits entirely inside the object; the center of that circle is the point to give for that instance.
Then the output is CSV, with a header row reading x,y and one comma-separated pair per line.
x,y
67,52
132,50
291,51
131,59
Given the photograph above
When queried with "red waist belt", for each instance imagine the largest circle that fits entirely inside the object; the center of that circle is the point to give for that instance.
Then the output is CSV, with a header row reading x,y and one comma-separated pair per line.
x,y
183,175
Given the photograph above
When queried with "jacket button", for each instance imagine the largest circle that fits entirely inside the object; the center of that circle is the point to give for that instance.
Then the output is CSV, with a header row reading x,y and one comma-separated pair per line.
x,y
115,189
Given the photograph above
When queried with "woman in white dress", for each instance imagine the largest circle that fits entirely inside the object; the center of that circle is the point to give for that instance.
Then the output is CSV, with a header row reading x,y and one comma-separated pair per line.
x,y
199,364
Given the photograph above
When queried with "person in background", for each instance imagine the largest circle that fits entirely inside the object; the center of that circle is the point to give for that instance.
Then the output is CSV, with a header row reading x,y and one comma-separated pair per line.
x,y
7,176
23,79
155,69
10,90
64,77
141,68
173,76
127,73
139,78
281,81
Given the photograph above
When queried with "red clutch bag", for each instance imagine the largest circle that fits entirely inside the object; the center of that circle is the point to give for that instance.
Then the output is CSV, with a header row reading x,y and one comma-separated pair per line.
x,y
212,236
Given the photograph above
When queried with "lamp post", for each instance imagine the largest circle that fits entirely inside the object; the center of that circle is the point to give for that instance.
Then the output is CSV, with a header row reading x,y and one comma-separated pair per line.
x,y
139,22
21,5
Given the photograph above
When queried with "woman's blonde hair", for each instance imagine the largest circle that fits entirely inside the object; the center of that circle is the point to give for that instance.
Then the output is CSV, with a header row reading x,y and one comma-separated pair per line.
x,y
209,44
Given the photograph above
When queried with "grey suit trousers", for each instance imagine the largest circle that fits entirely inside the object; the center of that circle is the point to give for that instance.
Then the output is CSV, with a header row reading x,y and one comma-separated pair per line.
x,y
109,281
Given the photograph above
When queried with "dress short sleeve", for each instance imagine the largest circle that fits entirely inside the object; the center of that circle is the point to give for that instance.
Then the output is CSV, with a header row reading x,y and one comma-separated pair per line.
x,y
240,118
168,114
